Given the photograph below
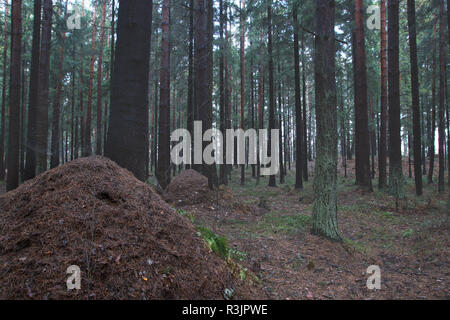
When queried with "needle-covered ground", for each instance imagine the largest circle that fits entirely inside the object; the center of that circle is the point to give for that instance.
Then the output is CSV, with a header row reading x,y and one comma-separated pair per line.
x,y
268,230
128,242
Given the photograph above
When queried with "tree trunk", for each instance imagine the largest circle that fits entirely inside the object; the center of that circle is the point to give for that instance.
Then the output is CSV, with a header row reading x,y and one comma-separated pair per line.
x,y
222,94
99,133
305,140
272,181
54,158
5,76
298,108
383,101
43,92
125,142
242,65
12,181
362,141
324,214
431,141
88,147
163,171
190,102
395,156
442,85
417,135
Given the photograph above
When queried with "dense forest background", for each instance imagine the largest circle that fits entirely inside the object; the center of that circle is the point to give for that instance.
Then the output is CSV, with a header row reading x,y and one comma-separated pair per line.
x,y
67,91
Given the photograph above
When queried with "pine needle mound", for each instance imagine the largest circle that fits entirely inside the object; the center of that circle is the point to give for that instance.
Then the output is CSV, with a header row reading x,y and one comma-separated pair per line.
x,y
188,188
128,243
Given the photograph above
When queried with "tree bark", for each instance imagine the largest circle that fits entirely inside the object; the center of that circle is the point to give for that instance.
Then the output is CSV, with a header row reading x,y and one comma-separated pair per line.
x,y
324,214
242,65
396,181
362,141
5,76
99,133
163,171
298,108
43,92
272,181
125,142
383,101
12,181
417,134
54,158
88,147
431,141
442,86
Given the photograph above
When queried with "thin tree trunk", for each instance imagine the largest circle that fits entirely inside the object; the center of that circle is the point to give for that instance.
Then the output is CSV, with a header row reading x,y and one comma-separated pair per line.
x,y
431,141
54,158
88,147
383,102
43,92
362,140
99,133
163,170
12,181
417,137
190,106
442,86
5,76
272,181
242,65
298,108
395,156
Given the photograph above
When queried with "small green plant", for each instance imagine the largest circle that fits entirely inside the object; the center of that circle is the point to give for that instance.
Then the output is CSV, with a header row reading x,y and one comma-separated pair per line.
x,y
217,244
186,214
237,255
387,214
407,233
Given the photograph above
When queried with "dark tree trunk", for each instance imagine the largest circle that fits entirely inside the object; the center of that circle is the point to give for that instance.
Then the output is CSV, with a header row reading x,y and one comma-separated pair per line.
x,y
222,87
54,158
442,87
88,147
383,102
431,138
298,108
5,76
362,141
99,133
125,142
12,181
417,137
242,66
395,156
325,178
272,181
190,106
43,92
203,76
163,171
305,140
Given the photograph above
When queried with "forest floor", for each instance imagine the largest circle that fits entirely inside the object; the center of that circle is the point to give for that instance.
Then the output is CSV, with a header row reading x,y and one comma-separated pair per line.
x,y
268,233
268,230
